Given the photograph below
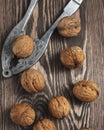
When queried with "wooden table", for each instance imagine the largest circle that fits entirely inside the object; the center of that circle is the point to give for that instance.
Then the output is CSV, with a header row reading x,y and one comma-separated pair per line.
x,y
59,80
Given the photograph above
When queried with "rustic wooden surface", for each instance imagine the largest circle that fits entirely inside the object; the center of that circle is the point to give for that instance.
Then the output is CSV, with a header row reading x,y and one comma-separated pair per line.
x,y
59,80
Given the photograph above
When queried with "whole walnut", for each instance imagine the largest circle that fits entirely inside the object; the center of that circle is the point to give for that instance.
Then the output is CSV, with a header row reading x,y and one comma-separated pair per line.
x,y
86,91
72,57
70,26
85,129
32,81
23,46
45,124
22,114
59,107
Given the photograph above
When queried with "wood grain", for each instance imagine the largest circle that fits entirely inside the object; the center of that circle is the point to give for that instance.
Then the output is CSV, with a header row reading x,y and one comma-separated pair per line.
x,y
59,80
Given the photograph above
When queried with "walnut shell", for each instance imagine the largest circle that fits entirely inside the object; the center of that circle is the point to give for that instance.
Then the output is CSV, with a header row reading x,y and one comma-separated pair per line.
x,y
45,124
86,91
72,57
23,46
70,26
22,114
59,107
85,129
32,81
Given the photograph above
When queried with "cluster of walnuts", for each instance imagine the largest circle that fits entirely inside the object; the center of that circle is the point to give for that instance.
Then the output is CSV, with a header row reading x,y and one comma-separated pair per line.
x,y
33,81
59,107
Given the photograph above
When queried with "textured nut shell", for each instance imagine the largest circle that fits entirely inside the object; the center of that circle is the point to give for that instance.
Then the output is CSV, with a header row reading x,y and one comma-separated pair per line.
x,y
23,46
22,114
32,80
45,124
70,26
85,129
59,107
72,57
86,91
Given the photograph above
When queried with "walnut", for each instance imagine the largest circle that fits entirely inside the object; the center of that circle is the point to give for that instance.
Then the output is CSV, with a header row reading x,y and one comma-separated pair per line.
x,y
23,46
32,81
86,91
70,26
45,124
72,57
59,107
85,129
22,114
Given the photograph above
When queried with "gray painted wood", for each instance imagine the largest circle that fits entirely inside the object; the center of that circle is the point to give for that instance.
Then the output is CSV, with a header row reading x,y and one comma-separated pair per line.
x,y
59,80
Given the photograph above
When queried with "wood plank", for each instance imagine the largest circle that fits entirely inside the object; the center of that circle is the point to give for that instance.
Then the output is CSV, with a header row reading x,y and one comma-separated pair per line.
x,y
59,80
95,57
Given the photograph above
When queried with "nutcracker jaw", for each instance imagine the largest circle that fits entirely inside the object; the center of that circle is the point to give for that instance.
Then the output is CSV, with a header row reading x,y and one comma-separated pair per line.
x,y
7,55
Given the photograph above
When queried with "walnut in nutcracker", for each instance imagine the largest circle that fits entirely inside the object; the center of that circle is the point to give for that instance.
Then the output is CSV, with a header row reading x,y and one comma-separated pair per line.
x,y
45,124
22,114
23,46
70,26
72,57
86,91
59,107
32,81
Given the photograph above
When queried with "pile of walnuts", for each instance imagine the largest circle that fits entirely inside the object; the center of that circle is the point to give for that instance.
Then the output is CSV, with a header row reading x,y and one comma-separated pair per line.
x,y
33,81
